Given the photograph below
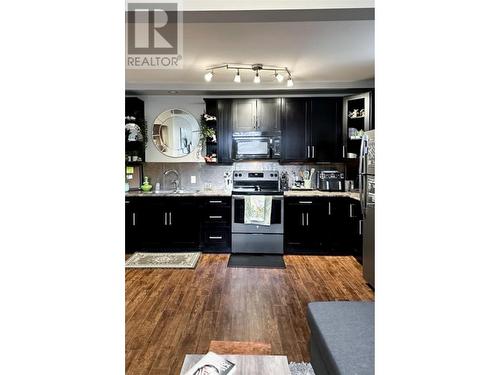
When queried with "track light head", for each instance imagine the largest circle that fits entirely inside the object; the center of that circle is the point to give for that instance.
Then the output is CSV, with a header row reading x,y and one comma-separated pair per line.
x,y
208,76
237,77
289,82
279,77
257,77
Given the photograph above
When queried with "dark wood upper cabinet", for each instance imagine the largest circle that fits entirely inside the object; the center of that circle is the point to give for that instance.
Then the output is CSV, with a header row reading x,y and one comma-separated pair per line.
x,y
244,113
294,129
268,114
325,129
311,129
261,115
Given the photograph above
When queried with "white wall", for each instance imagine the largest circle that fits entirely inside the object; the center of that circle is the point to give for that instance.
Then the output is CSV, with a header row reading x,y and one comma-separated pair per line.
x,y
156,104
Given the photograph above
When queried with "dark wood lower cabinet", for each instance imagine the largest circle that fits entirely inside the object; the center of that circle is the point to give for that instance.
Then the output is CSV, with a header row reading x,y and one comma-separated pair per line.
x,y
312,225
322,225
176,224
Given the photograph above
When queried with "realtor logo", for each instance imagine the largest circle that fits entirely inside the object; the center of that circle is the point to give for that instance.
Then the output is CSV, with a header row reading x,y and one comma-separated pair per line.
x,y
154,35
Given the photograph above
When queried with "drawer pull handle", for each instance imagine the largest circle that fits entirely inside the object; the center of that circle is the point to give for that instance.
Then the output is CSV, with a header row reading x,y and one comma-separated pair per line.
x,y
214,202
215,217
133,219
215,237
305,202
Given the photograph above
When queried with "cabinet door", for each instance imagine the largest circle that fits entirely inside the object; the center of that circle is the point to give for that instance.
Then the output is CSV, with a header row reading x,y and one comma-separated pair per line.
x,y
268,114
296,232
326,129
295,136
184,222
149,224
244,115
303,224
224,131
338,233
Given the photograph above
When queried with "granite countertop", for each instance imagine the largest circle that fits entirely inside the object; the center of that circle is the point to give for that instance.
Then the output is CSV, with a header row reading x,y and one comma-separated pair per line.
x,y
183,193
317,193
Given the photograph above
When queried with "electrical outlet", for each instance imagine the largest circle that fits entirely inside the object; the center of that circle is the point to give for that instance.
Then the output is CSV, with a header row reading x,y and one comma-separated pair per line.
x,y
193,179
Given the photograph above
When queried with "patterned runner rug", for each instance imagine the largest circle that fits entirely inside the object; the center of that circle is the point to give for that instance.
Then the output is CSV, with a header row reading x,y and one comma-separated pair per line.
x,y
163,260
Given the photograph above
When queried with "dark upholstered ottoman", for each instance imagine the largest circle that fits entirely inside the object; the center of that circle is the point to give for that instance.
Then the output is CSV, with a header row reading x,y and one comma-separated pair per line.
x,y
342,337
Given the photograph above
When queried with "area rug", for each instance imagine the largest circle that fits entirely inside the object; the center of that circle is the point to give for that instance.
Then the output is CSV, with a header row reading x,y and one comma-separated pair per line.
x,y
301,368
256,261
163,260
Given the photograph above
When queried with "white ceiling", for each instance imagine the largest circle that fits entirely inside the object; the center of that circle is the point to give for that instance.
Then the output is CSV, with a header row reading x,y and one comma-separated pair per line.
x,y
326,54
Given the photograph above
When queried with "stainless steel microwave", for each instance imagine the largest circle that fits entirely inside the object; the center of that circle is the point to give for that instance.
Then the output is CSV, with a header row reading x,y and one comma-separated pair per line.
x,y
255,145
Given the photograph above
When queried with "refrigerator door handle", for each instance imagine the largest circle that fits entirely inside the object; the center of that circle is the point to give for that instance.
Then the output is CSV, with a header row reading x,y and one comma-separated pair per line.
x,y
362,193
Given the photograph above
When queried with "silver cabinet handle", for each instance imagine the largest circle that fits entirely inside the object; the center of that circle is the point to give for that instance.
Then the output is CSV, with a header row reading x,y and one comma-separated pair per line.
x,y
305,202
133,219
215,237
170,218
308,152
329,208
307,219
343,151
127,202
350,210
302,219
214,202
166,219
312,152
360,227
215,217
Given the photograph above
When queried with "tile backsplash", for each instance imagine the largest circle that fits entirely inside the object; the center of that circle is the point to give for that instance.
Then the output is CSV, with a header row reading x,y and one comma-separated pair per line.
x,y
214,174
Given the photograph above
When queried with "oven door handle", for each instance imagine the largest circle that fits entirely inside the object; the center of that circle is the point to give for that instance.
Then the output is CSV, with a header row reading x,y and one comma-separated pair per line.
x,y
274,197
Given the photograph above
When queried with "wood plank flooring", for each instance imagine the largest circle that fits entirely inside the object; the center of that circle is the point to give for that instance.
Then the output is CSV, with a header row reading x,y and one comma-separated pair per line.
x,y
170,313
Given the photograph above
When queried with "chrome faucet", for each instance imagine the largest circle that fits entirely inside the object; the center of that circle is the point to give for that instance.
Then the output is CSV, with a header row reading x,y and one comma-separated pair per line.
x,y
176,182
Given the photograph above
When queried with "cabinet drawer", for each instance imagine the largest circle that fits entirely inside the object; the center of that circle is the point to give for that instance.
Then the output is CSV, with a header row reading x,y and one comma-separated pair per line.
x,y
220,215
217,240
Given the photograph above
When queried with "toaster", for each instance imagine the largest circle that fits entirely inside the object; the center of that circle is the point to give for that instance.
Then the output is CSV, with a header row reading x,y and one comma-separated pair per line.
x,y
331,181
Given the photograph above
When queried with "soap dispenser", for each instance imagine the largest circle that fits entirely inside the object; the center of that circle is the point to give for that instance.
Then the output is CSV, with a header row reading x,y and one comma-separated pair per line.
x,y
146,186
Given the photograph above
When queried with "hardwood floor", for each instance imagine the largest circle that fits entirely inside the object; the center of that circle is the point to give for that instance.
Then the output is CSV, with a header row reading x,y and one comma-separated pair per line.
x,y
170,313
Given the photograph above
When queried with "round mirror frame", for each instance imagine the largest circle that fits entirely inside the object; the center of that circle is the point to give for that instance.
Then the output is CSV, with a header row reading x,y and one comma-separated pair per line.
x,y
187,142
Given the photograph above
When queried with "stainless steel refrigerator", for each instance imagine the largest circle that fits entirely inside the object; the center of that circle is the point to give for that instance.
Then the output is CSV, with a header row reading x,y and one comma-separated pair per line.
x,y
367,195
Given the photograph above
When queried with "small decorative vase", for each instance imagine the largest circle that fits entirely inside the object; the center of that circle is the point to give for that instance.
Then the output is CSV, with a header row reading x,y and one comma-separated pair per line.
x,y
146,186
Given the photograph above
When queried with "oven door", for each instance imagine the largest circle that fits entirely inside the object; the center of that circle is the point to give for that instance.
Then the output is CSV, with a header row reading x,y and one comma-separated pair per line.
x,y
251,148
238,217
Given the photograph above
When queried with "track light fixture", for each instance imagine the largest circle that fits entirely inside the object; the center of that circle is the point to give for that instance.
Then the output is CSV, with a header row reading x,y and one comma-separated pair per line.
x,y
279,72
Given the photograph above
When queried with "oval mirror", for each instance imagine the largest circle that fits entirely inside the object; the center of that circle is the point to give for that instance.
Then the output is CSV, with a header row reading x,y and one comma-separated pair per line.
x,y
176,133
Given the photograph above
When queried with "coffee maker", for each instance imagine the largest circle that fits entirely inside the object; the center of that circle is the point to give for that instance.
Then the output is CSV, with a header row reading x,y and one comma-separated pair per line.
x,y
331,181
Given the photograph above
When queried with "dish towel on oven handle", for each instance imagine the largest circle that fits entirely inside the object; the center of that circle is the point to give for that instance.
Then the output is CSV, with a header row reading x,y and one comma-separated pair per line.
x,y
258,209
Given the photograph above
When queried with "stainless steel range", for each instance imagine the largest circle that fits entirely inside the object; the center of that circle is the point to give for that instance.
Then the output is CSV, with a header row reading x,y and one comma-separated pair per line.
x,y
253,238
